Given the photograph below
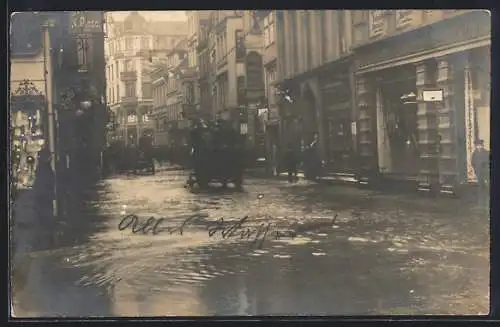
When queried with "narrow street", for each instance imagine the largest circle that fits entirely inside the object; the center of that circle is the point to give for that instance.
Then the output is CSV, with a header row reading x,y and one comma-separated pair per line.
x,y
384,254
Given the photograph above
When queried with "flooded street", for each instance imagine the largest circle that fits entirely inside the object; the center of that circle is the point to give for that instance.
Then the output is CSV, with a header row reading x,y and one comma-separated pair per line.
x,y
383,254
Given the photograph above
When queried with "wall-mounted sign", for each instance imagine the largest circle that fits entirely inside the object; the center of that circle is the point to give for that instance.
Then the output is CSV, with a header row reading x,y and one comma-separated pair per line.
x,y
83,22
408,18
432,95
377,23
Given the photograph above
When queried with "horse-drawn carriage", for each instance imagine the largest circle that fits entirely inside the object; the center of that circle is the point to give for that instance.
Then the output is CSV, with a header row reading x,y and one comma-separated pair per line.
x,y
217,155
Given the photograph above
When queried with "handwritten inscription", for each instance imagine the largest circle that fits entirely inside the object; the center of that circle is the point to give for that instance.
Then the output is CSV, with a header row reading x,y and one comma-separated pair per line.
x,y
226,229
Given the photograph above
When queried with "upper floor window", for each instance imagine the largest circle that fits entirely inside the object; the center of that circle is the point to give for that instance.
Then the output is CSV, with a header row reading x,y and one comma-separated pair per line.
x,y
144,43
129,43
269,29
342,30
130,90
129,65
359,16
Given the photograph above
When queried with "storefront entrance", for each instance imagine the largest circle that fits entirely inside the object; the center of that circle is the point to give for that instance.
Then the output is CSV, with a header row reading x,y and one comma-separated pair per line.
x,y
397,124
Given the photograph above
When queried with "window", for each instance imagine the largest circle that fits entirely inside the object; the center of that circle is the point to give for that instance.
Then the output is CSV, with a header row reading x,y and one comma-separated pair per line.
x,y
270,79
130,90
240,44
342,29
294,54
358,16
146,90
307,32
269,29
324,35
144,43
117,70
129,43
129,65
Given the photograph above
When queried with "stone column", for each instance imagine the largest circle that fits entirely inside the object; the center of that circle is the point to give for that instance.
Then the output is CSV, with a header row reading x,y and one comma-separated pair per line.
x,y
366,140
428,177
445,118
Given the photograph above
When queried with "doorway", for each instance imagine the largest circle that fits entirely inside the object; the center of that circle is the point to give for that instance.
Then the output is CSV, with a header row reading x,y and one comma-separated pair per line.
x,y
399,114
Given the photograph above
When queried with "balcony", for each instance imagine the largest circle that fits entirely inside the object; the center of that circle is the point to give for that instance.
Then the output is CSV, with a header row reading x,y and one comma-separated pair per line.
x,y
128,76
144,53
129,100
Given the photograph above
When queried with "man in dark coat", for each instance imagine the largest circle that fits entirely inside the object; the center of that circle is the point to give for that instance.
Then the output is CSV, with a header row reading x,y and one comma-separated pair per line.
x,y
480,163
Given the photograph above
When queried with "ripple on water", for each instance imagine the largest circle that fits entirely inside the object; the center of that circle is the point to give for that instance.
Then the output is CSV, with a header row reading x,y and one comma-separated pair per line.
x,y
282,256
318,254
397,250
295,241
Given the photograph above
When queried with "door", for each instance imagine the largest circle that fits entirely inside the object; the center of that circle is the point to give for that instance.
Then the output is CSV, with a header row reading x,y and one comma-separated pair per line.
x,y
339,141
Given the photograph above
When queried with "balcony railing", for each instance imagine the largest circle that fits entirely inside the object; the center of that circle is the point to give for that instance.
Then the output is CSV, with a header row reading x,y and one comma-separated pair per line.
x,y
128,76
129,100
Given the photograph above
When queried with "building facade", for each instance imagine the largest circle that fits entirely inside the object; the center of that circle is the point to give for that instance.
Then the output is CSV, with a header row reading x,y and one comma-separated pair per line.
x,y
224,64
270,118
204,67
171,93
131,46
400,54
196,19
28,87
58,93
314,68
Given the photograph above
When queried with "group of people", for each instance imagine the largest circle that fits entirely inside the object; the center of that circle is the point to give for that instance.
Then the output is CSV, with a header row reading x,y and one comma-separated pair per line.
x,y
119,157
308,156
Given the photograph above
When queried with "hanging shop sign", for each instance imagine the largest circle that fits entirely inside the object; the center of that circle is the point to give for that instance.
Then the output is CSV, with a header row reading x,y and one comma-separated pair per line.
x,y
377,23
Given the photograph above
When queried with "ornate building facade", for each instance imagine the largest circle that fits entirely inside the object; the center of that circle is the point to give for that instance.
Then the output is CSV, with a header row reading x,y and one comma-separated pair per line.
x,y
132,45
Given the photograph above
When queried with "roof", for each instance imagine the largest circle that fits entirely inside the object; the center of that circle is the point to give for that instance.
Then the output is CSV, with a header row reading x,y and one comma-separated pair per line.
x,y
26,33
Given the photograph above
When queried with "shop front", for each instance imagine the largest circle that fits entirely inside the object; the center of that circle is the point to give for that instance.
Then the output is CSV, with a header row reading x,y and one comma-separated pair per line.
x,y
405,134
337,120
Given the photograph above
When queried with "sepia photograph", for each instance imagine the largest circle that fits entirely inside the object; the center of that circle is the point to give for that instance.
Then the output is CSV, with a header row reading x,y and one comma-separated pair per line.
x,y
249,163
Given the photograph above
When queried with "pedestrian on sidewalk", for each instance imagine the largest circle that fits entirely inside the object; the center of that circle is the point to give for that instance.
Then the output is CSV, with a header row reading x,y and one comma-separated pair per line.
x,y
291,163
480,164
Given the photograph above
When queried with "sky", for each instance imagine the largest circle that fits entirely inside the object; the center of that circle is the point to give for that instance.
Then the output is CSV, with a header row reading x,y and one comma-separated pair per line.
x,y
174,15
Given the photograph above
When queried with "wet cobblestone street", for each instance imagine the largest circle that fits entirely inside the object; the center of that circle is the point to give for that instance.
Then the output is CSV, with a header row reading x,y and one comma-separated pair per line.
x,y
384,254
